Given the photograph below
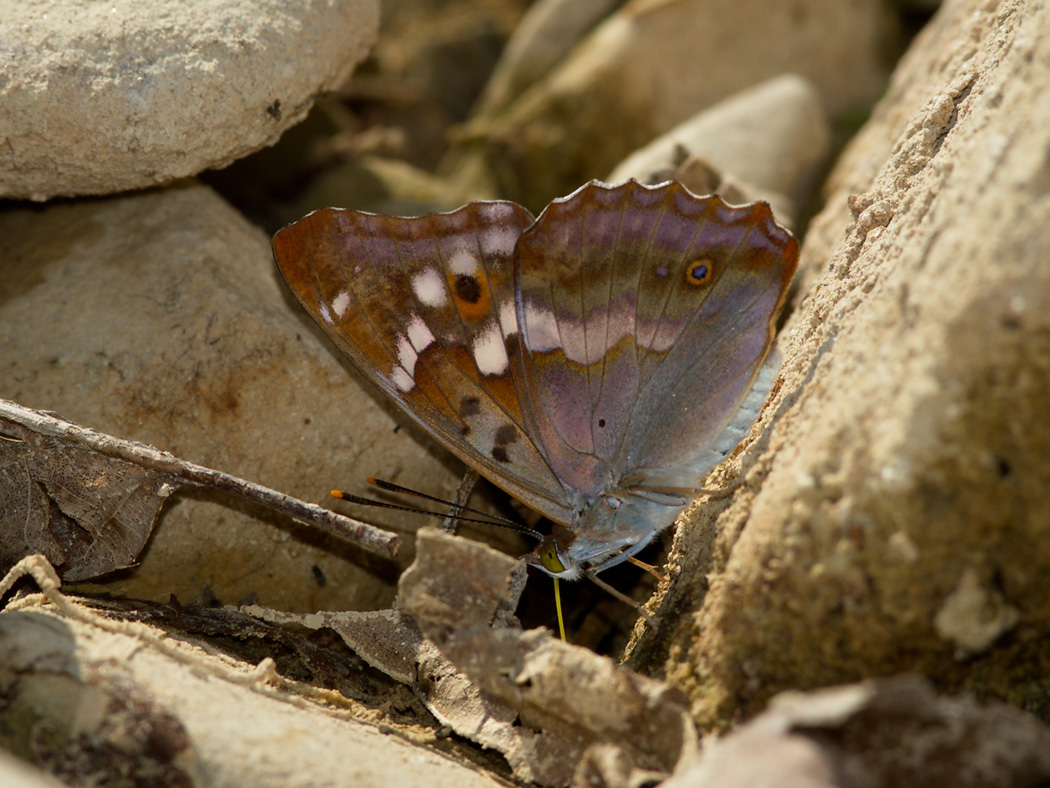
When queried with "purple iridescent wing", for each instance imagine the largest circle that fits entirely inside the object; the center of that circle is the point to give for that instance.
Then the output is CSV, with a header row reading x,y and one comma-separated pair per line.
x,y
646,316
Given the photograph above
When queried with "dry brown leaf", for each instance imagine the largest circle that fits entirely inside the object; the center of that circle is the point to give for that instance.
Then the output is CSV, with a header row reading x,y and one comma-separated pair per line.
x,y
556,712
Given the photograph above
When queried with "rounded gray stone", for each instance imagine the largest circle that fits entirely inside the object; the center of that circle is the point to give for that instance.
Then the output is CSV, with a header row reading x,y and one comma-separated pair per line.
x,y
98,98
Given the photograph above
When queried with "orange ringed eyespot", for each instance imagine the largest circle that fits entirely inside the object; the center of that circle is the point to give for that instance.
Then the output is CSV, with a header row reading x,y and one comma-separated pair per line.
x,y
699,272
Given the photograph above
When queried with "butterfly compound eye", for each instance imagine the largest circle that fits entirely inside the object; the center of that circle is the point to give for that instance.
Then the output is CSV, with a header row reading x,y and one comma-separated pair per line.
x,y
549,557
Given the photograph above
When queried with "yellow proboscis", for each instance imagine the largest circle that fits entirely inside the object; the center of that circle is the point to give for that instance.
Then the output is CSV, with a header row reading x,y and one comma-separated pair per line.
x,y
557,606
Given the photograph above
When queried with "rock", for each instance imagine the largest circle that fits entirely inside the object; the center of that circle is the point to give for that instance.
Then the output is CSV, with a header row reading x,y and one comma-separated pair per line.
x,y
545,35
653,65
160,317
773,137
902,471
974,616
428,66
98,702
890,732
99,99
16,772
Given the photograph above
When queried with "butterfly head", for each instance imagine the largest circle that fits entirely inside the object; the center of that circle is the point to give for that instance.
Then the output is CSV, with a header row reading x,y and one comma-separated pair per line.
x,y
608,529
553,554
550,558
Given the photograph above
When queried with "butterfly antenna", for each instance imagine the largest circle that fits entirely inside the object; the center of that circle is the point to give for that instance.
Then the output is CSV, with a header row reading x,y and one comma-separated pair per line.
x,y
621,596
490,519
382,484
357,499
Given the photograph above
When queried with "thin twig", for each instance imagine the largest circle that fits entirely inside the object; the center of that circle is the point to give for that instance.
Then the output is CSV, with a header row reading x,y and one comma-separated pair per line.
x,y
179,471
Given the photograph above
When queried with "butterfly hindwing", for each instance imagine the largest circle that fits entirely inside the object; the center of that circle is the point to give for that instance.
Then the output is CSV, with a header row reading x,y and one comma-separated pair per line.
x,y
424,306
647,313
725,296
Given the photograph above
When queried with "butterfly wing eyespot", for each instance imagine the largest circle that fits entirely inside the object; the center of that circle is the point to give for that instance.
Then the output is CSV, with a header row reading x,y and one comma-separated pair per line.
x,y
699,272
472,296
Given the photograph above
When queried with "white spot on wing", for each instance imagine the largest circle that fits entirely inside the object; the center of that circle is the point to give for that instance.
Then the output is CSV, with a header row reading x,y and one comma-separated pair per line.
x,y
429,287
574,341
340,303
499,241
406,354
419,335
402,379
541,329
409,346
463,262
489,353
508,318
326,316
585,343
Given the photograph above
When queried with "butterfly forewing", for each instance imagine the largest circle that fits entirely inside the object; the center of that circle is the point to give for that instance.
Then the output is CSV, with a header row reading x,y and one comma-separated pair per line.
x,y
424,307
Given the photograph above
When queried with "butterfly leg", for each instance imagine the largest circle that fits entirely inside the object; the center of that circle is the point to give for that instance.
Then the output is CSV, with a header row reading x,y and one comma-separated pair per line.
x,y
660,576
621,596
627,555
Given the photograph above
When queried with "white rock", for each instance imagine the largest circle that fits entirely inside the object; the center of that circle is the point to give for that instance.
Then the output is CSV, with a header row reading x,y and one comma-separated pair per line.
x,y
159,316
102,97
546,34
168,712
16,772
974,616
656,63
773,136
867,731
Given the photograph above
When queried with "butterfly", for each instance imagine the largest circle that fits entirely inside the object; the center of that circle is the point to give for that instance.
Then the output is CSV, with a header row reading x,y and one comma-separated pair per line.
x,y
594,362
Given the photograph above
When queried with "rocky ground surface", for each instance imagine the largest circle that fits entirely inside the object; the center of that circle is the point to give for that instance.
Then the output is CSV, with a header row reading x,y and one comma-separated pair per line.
x,y
863,601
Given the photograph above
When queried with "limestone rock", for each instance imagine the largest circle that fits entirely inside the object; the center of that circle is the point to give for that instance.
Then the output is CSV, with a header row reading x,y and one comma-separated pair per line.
x,y
159,317
96,99
654,64
906,454
889,732
100,702
15,771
